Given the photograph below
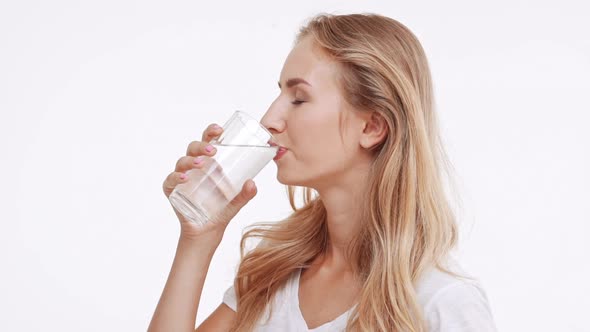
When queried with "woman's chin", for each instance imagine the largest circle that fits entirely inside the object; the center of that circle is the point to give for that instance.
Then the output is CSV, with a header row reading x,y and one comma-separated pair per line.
x,y
293,182
286,180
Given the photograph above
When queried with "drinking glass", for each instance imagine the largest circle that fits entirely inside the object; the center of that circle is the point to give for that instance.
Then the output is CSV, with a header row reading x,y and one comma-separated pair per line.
x,y
243,150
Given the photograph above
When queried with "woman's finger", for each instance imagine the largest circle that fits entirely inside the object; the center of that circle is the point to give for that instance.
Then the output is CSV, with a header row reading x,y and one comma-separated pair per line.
x,y
212,131
172,180
187,163
197,148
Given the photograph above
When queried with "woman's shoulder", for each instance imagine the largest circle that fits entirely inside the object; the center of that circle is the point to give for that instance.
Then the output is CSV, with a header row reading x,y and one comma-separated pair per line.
x,y
458,302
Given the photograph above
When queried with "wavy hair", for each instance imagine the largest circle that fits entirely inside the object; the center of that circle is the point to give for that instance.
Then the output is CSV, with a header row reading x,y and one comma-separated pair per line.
x,y
408,224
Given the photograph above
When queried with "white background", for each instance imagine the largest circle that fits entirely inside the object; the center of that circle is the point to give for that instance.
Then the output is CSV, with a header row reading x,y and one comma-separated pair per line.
x,y
99,99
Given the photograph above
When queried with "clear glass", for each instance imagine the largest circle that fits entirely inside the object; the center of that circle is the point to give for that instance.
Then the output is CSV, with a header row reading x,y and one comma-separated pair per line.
x,y
243,150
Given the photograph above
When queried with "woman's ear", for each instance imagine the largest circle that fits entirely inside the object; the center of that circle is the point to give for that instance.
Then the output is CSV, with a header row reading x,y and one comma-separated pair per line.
x,y
375,130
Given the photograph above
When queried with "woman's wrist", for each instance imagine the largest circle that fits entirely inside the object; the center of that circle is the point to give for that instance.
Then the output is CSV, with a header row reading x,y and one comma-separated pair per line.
x,y
204,241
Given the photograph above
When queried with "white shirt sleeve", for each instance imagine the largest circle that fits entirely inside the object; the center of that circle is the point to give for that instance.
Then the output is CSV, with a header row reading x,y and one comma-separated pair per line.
x,y
229,298
460,307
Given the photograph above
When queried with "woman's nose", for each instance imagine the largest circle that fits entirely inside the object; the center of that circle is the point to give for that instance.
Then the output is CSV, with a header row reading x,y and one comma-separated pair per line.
x,y
272,121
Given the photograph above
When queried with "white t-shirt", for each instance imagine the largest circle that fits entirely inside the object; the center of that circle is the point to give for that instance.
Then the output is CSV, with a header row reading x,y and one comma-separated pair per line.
x,y
450,305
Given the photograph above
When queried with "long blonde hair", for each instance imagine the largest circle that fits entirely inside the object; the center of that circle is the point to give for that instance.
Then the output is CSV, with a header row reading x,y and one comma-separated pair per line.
x,y
408,224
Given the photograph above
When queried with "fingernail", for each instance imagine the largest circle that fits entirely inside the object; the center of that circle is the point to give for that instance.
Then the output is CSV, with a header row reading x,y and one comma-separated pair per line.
x,y
183,176
216,127
209,148
198,160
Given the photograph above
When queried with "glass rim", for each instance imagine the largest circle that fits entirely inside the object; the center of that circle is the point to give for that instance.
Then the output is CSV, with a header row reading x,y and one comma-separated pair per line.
x,y
246,115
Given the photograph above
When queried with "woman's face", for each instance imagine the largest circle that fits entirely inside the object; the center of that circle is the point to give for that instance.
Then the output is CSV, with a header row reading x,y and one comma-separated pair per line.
x,y
305,119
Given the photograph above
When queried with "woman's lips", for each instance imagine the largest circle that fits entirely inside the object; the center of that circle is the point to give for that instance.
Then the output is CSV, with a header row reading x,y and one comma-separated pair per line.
x,y
280,152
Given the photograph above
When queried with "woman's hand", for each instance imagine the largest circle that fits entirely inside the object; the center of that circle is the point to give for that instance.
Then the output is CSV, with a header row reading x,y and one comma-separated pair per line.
x,y
215,227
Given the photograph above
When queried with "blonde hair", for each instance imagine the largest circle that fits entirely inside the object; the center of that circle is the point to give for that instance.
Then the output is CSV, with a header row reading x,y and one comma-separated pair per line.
x,y
408,224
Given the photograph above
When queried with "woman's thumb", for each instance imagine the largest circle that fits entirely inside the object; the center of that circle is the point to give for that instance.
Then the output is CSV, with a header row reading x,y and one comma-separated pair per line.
x,y
248,192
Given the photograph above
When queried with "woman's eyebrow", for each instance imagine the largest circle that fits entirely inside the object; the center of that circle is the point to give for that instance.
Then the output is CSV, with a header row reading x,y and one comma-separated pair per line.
x,y
294,81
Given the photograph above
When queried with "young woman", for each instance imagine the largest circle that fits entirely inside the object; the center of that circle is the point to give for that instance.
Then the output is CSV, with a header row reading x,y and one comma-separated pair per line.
x,y
369,250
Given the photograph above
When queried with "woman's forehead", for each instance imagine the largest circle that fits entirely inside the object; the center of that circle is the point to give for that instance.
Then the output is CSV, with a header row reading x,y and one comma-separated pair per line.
x,y
306,61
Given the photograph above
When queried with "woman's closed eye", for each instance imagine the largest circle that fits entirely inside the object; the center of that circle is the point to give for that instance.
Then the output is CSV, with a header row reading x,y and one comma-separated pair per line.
x,y
297,102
